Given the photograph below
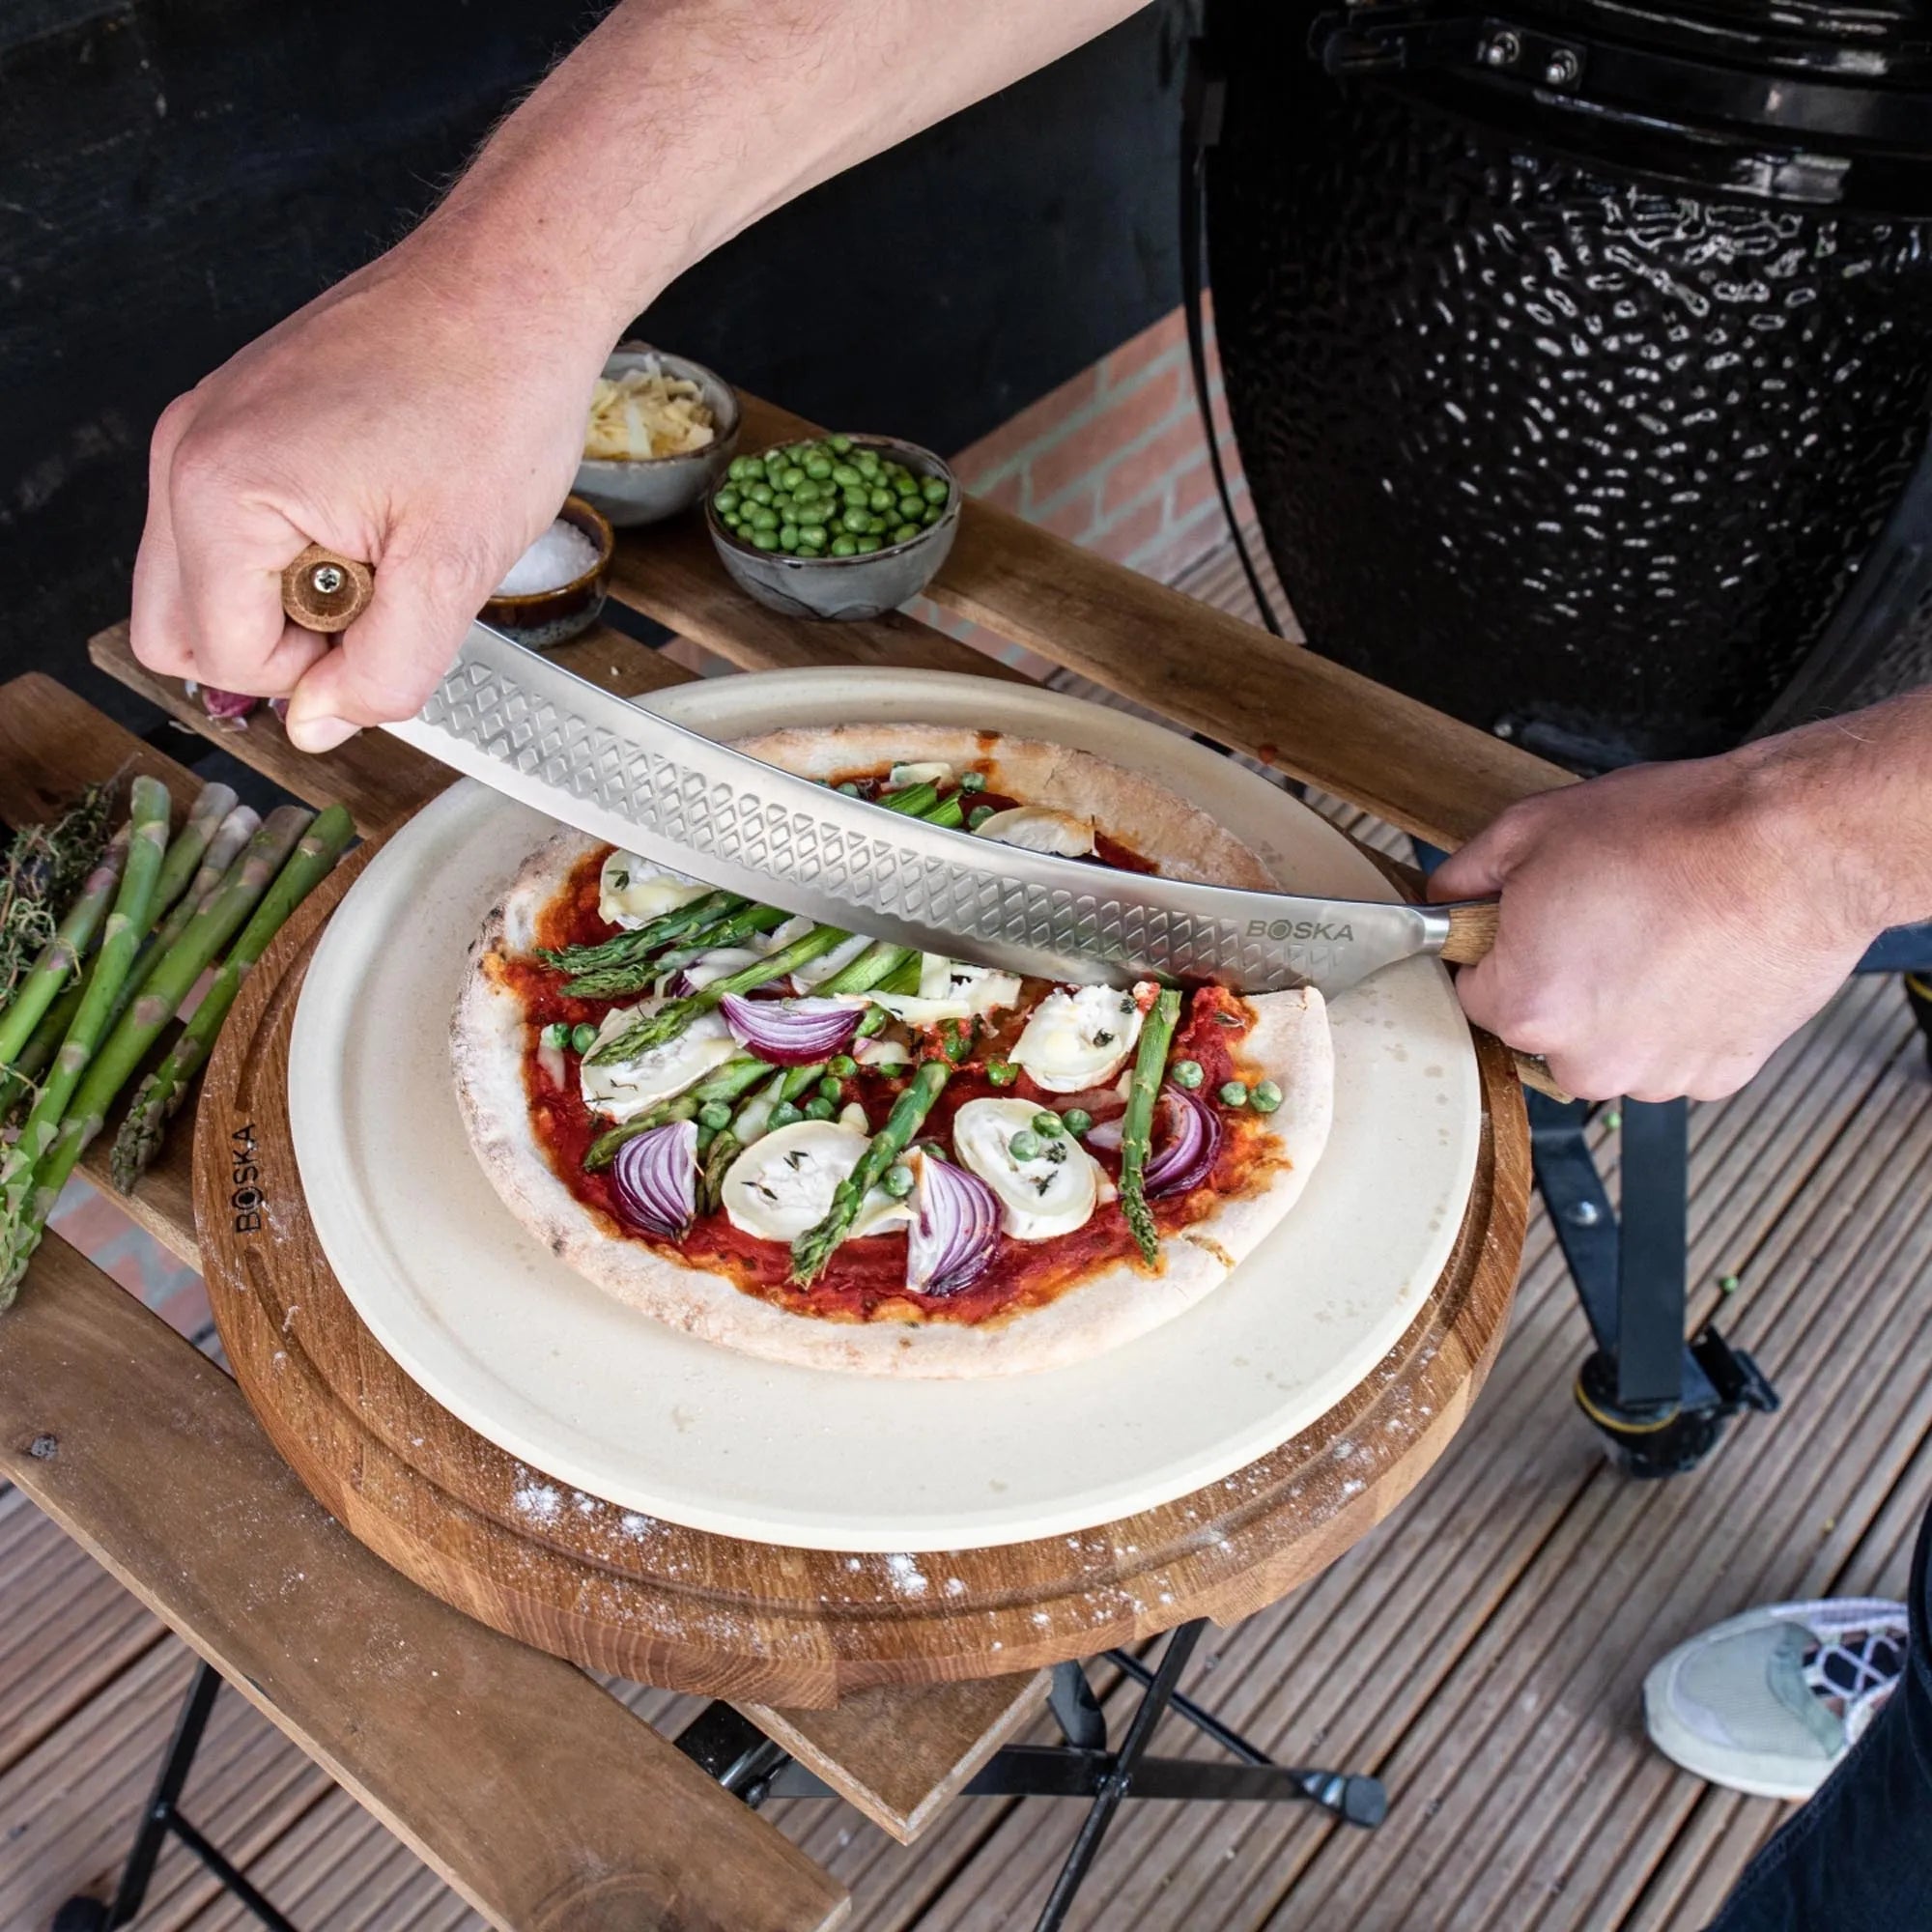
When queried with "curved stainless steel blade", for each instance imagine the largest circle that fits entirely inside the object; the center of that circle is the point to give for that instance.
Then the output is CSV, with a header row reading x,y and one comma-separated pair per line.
x,y
526,727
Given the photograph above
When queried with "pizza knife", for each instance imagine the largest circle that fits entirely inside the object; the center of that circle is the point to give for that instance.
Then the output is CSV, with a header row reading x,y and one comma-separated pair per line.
x,y
524,726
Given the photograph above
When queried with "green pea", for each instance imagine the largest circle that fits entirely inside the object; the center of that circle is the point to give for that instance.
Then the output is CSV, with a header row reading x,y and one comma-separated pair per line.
x,y
978,816
714,1114
805,493
1002,1072
785,1115
812,538
897,1181
557,1034
868,545
1076,1120
787,536
875,526
849,789
1024,1146
972,780
1265,1098
1185,1073
819,1108
765,539
845,477
866,462
761,493
1046,1122
764,517
790,477
932,516
879,499
582,1037
726,502
844,547
906,533
838,444
935,489
856,520
842,1064
818,465
1232,1094
830,1086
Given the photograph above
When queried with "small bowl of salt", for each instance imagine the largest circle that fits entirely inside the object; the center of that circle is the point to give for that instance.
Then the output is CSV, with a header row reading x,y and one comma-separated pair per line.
x,y
556,588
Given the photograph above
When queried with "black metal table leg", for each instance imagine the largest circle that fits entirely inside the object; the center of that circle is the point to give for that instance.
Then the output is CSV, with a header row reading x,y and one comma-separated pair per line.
x,y
1120,1777
1353,1798
161,1816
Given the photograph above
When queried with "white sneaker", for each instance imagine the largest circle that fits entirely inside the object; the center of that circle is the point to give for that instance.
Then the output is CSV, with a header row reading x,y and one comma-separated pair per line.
x,y
1768,1702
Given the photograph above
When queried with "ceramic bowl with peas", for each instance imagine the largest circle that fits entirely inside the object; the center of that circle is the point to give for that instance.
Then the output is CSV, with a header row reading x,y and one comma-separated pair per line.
x,y
839,526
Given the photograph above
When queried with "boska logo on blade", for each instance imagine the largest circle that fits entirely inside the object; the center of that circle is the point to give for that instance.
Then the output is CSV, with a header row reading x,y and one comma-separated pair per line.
x,y
1301,929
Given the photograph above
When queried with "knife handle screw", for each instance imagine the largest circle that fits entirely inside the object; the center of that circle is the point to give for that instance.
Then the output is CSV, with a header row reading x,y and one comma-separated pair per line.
x,y
325,579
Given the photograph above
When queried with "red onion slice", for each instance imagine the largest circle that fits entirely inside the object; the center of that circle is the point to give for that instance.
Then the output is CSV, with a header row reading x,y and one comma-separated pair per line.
x,y
954,1231
1194,1139
226,703
655,1178
792,1033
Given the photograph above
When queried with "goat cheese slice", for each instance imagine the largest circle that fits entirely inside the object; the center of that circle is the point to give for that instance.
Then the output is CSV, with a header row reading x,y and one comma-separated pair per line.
x,y
1079,1038
783,1184
1050,1193
1039,827
632,891
625,1087
986,990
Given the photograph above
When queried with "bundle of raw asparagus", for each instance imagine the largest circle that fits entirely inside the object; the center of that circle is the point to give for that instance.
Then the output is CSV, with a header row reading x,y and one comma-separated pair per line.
x,y
123,947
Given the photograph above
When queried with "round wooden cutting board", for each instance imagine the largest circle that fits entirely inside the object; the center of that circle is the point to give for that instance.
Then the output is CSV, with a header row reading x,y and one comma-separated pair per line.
x,y
618,1591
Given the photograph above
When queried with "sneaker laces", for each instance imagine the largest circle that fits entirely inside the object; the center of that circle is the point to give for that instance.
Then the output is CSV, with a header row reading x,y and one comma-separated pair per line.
x,y
1854,1671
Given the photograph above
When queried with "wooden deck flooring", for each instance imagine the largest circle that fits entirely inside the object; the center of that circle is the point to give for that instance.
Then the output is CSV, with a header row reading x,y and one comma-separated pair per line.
x,y
1482,1651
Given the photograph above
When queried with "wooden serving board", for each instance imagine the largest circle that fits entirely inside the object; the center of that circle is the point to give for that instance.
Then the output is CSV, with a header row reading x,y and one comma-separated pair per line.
x,y
754,1622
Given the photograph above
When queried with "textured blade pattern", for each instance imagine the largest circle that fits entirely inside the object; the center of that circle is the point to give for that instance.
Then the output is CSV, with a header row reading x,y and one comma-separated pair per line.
x,y
527,726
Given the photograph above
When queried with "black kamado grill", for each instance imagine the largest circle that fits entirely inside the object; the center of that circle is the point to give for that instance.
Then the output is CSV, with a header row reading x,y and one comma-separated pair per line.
x,y
1579,354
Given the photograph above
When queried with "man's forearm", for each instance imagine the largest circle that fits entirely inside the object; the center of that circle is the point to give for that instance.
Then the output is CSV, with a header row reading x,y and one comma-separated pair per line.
x,y
1858,790
677,122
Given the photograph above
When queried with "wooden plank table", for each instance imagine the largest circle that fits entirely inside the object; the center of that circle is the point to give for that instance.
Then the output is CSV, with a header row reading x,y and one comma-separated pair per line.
x,y
899,1754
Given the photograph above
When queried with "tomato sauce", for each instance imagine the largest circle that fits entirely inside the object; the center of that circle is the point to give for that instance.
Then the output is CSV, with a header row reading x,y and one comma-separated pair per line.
x,y
866,1279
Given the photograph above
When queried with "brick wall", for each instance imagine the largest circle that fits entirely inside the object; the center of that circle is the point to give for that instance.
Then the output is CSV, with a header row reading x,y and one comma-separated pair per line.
x,y
1116,460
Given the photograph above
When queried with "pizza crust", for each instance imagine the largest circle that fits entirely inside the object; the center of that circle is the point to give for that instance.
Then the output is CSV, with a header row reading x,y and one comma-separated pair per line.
x,y
1289,1040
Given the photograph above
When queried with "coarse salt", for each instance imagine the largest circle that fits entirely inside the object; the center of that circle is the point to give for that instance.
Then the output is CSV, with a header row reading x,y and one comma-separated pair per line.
x,y
559,556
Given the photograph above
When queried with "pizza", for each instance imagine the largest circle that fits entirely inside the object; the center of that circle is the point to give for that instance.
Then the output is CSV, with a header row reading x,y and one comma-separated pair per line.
x,y
829,1151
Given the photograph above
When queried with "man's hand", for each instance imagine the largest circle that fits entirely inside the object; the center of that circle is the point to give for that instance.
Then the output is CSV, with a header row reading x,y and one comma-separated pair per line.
x,y
1664,929
427,414
400,420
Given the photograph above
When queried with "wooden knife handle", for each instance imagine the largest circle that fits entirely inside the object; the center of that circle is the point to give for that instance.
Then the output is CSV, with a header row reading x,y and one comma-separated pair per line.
x,y
321,591
1472,932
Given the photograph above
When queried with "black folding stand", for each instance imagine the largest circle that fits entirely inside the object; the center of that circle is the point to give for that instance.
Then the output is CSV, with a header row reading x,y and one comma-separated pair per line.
x,y
739,1755
161,1816
733,1750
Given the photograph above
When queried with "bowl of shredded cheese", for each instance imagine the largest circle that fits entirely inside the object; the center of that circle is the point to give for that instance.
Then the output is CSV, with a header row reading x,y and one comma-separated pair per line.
x,y
661,429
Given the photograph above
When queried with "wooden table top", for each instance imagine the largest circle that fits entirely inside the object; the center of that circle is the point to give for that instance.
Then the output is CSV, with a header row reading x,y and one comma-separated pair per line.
x,y
1145,642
